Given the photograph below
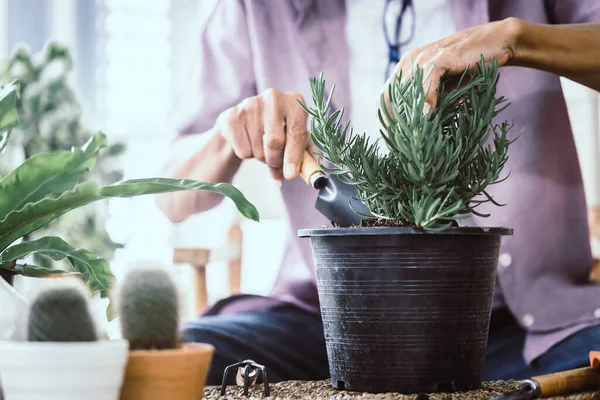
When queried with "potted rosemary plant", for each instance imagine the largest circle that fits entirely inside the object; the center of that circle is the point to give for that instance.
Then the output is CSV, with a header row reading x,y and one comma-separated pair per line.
x,y
406,296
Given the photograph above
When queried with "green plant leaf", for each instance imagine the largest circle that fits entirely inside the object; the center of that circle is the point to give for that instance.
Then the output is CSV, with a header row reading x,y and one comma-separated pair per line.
x,y
94,269
136,187
46,174
8,112
33,216
36,271
4,136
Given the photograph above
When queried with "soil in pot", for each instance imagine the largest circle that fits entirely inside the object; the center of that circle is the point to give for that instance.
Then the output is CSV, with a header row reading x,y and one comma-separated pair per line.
x,y
167,374
405,310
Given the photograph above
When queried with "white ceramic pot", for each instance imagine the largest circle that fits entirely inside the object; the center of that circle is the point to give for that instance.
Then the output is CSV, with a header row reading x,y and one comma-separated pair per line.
x,y
13,306
63,370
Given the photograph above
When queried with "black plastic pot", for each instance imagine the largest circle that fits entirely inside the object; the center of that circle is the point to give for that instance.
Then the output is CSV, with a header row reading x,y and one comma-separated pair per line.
x,y
405,310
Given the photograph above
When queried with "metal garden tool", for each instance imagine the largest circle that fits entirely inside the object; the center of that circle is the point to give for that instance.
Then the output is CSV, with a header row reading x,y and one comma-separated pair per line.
x,y
334,195
246,376
559,383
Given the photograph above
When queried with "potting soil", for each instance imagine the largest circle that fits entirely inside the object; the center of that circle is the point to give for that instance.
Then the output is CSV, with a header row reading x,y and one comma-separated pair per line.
x,y
323,390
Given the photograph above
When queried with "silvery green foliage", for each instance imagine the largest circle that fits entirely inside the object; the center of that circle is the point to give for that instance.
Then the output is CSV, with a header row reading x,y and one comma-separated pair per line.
x,y
51,119
149,308
60,312
437,166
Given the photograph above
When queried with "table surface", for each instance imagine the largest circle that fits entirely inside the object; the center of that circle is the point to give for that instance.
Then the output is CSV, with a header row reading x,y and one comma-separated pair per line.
x,y
324,390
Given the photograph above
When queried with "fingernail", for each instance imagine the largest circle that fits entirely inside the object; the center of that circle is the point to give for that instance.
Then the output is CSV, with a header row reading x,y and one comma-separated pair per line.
x,y
290,170
279,182
426,108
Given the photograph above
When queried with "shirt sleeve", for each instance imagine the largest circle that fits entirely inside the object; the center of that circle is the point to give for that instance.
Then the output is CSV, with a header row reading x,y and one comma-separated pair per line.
x,y
223,73
574,11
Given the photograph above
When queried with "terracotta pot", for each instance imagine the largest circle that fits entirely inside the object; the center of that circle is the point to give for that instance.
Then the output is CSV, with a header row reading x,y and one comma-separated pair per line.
x,y
167,374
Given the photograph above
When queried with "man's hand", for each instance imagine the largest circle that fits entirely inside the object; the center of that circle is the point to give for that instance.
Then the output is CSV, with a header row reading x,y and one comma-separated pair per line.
x,y
270,127
452,55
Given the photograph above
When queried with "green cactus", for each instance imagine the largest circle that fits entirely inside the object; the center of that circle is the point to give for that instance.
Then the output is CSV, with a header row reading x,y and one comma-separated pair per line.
x,y
60,312
149,308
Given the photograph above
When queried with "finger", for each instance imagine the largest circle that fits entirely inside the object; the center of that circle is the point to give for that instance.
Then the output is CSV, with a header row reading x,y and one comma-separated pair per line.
x,y
431,80
402,71
296,136
234,131
274,137
384,99
408,64
254,126
455,82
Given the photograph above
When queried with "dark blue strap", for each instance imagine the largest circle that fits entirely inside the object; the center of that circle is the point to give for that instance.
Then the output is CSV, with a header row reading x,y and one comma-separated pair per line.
x,y
394,53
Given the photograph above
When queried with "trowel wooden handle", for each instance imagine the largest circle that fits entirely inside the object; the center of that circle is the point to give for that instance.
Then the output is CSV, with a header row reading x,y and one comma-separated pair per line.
x,y
560,383
595,359
310,170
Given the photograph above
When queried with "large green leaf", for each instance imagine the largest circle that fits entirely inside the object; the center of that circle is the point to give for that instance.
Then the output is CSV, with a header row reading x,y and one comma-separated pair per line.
x,y
94,269
37,271
46,174
4,136
35,215
136,187
8,112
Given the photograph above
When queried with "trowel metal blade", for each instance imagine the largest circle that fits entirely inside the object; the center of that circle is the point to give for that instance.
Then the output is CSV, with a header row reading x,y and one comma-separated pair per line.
x,y
333,200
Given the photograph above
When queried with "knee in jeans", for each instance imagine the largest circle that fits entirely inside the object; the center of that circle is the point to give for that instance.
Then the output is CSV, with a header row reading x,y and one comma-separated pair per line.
x,y
195,333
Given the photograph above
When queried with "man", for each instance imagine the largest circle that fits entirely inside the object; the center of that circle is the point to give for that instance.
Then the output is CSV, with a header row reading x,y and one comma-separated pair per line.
x,y
255,58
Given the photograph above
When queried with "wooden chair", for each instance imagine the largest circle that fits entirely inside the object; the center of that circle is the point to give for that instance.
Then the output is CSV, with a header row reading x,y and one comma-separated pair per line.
x,y
595,274
594,226
199,258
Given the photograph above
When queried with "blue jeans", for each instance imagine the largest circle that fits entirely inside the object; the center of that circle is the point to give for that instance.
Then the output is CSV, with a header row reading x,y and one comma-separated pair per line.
x,y
504,360
290,343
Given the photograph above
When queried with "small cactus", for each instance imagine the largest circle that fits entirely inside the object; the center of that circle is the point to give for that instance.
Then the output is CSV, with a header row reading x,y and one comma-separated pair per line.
x,y
149,309
60,312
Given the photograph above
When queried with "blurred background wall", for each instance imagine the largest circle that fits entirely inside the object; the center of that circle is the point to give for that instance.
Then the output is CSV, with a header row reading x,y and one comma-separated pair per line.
x,y
130,60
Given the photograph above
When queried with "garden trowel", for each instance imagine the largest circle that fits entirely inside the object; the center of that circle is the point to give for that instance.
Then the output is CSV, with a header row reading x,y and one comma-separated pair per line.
x,y
560,383
335,196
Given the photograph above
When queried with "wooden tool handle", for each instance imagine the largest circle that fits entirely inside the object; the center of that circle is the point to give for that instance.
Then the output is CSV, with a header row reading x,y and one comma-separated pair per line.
x,y
595,360
560,383
310,170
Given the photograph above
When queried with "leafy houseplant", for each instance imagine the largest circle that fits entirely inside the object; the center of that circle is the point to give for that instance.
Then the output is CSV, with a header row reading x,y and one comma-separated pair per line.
x,y
407,295
48,185
62,337
159,365
51,120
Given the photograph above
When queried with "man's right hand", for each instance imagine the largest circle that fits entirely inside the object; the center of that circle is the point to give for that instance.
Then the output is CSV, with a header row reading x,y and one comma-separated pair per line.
x,y
270,127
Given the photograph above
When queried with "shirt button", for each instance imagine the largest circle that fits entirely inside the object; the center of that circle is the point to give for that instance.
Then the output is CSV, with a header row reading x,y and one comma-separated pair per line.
x,y
528,320
597,313
505,260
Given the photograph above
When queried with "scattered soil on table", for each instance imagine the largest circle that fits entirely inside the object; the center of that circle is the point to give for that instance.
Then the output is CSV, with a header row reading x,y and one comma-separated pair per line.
x,y
322,390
